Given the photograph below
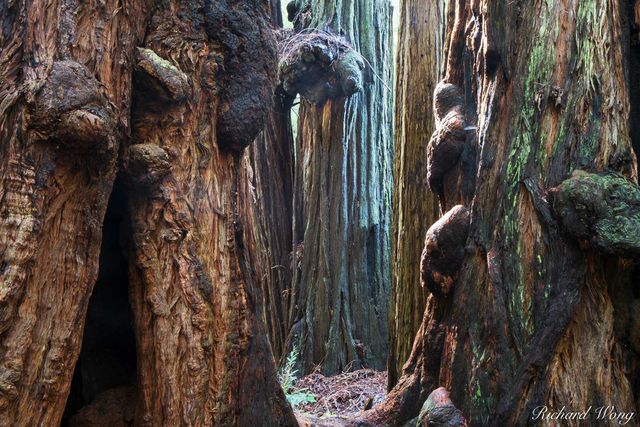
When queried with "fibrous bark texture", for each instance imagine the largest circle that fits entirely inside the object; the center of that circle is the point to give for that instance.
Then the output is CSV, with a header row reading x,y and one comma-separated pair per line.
x,y
536,317
418,62
269,206
342,185
203,355
65,70
176,89
270,197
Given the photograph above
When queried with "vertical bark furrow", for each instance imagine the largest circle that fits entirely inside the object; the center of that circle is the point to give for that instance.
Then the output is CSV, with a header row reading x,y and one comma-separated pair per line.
x,y
342,193
420,42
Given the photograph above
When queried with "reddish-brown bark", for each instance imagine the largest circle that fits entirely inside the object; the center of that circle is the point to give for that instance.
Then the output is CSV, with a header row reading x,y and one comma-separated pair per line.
x,y
536,317
203,355
203,78
64,105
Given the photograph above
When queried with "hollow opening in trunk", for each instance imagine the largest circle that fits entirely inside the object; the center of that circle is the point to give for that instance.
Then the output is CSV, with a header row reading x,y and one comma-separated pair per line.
x,y
107,361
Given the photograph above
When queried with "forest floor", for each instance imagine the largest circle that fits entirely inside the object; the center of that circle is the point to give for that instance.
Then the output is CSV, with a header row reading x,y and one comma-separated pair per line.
x,y
342,395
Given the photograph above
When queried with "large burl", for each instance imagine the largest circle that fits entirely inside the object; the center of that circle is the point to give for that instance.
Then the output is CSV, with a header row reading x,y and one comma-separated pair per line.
x,y
249,60
70,109
602,209
443,251
319,66
447,142
439,411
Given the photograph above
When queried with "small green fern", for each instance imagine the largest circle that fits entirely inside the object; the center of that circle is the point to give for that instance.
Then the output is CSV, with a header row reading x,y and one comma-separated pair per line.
x,y
287,376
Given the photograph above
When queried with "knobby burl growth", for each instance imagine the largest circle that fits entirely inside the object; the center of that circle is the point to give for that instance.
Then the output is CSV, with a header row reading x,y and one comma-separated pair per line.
x,y
245,73
70,109
160,86
319,66
447,142
148,164
158,79
602,210
439,411
444,250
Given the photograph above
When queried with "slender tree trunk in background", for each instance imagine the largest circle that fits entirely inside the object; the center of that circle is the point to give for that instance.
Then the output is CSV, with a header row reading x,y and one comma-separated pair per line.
x,y
271,170
64,107
342,201
202,83
418,64
535,316
271,203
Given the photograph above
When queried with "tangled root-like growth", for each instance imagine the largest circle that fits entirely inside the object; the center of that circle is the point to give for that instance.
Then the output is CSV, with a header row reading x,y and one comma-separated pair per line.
x,y
602,209
148,164
438,411
443,251
246,87
158,78
447,142
70,109
319,65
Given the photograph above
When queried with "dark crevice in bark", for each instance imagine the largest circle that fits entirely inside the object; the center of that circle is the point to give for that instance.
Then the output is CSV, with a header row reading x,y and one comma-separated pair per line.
x,y
108,356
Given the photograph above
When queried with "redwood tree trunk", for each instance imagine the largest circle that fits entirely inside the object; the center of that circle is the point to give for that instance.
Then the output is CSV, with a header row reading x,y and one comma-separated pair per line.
x,y
538,314
204,358
64,104
342,197
417,68
203,76
270,199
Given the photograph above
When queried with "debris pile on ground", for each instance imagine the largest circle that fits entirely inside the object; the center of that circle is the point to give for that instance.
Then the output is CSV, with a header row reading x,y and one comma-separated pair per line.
x,y
344,394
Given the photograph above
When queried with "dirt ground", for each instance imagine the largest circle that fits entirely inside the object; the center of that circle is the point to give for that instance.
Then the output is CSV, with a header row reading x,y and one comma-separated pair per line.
x,y
344,394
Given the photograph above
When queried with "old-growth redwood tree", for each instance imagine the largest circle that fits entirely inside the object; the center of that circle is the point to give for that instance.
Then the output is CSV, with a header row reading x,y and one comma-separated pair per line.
x,y
544,308
418,64
269,202
342,188
169,92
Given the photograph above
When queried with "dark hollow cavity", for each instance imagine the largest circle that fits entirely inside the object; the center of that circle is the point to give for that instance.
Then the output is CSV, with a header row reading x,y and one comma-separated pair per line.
x,y
108,355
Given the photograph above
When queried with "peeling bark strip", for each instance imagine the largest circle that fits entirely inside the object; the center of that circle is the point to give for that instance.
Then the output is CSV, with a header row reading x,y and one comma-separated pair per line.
x,y
64,105
342,184
535,317
203,355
